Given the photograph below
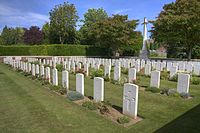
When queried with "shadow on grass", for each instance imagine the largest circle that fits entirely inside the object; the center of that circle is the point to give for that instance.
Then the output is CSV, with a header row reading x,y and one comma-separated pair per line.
x,y
117,108
189,122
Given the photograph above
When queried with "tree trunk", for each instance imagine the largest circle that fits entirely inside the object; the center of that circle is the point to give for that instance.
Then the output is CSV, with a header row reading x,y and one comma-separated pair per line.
x,y
190,53
61,40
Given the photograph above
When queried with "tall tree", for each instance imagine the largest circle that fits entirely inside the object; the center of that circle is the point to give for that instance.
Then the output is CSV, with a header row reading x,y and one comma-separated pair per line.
x,y
46,33
90,17
18,35
6,36
33,35
63,20
1,40
12,36
178,27
115,33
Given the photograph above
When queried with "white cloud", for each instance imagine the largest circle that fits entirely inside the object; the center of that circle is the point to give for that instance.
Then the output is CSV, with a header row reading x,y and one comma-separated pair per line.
x,y
15,17
121,11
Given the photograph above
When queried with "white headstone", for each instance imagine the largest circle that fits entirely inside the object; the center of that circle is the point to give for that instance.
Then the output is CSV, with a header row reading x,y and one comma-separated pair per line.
x,y
183,83
117,72
80,83
86,69
55,77
189,68
65,79
197,70
64,65
29,67
48,74
155,79
107,69
33,69
42,71
98,89
169,65
130,100
78,66
132,75
69,66
37,70
147,70
173,71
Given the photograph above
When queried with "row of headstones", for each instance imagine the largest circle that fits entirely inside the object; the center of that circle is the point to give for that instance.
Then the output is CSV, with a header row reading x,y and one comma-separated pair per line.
x,y
182,85
182,65
130,94
117,70
173,67
155,75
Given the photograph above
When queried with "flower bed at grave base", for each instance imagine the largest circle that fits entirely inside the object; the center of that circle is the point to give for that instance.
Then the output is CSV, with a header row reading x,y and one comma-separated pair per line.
x,y
53,50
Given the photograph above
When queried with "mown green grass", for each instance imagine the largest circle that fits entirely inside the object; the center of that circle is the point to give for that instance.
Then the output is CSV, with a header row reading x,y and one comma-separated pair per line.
x,y
26,106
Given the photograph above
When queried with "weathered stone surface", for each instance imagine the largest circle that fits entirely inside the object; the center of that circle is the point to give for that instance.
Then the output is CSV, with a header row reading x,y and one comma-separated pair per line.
x,y
130,100
98,89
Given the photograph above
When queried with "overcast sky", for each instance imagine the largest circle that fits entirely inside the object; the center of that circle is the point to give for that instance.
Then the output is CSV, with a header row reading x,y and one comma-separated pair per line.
x,y
25,13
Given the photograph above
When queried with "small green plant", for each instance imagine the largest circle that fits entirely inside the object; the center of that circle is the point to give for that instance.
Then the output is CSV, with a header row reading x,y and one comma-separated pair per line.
x,y
74,96
164,75
106,78
174,78
115,82
97,73
54,87
195,81
153,54
124,70
45,65
153,89
35,62
123,120
112,69
59,67
45,82
90,105
123,80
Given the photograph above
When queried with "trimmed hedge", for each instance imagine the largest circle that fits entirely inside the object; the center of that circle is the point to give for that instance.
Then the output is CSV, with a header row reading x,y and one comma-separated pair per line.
x,y
53,50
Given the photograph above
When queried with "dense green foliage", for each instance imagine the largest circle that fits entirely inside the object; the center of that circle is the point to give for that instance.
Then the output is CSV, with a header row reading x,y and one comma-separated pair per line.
x,y
90,105
178,28
63,20
46,32
11,36
54,49
115,33
90,18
